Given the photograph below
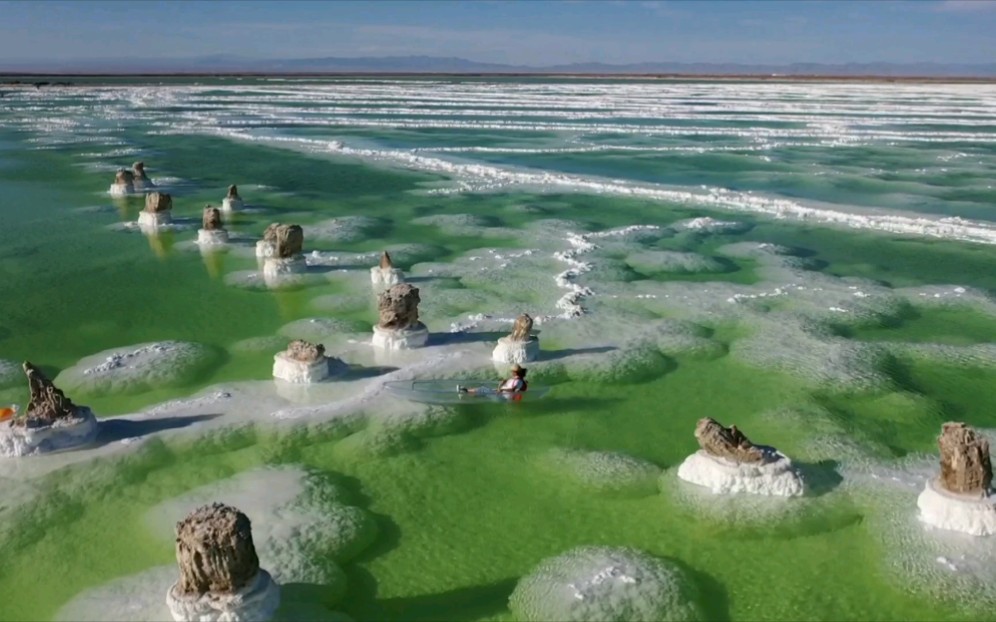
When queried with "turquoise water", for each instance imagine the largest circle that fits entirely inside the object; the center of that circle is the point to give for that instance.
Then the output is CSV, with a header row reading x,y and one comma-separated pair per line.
x,y
812,262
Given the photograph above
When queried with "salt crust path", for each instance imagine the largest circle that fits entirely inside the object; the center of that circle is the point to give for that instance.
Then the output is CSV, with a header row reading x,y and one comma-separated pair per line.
x,y
294,514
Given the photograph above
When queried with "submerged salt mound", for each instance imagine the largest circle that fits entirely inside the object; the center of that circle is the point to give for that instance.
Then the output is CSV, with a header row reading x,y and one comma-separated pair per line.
x,y
136,598
301,523
344,229
950,296
975,355
10,373
604,472
626,364
466,225
605,584
782,343
137,368
650,262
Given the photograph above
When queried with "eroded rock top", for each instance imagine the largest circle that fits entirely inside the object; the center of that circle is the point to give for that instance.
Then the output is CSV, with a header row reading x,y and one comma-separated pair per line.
x,y
158,202
522,328
48,404
214,550
398,307
305,351
212,219
287,240
727,443
965,463
385,261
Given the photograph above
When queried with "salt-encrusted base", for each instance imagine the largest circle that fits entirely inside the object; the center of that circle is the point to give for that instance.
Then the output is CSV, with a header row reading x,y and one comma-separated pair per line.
x,y
947,510
275,267
17,441
386,276
121,190
256,602
722,476
212,237
151,220
298,372
231,205
405,339
265,249
516,352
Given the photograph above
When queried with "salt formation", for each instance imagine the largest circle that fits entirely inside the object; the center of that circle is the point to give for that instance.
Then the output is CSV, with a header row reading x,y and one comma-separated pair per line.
x,y
386,273
604,472
280,249
51,422
220,577
729,463
232,201
124,183
157,212
605,584
303,363
520,346
961,497
141,180
399,327
212,231
137,368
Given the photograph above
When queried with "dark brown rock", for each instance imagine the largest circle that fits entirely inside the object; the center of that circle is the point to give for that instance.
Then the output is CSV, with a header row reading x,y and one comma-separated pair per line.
x,y
522,328
287,240
398,307
156,202
233,192
124,178
965,464
212,219
727,443
139,169
214,550
48,404
385,261
304,351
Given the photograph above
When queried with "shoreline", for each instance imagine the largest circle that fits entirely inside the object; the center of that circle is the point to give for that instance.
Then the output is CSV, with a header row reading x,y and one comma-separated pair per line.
x,y
17,78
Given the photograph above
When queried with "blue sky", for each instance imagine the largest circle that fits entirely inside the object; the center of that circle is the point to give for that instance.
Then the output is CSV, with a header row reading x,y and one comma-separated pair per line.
x,y
528,32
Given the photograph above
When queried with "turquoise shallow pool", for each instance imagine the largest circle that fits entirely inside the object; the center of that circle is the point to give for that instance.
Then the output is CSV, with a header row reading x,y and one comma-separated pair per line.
x,y
812,262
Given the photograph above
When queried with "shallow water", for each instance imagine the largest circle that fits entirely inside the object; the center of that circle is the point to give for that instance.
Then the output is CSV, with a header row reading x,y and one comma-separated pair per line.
x,y
841,315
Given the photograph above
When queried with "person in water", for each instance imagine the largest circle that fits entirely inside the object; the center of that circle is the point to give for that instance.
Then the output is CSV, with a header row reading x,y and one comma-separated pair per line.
x,y
516,383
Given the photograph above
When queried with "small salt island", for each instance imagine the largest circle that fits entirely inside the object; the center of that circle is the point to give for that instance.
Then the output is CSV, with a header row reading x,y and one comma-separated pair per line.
x,y
124,183
961,497
280,250
520,346
51,423
220,578
729,463
141,181
304,363
232,201
386,274
399,327
158,211
212,231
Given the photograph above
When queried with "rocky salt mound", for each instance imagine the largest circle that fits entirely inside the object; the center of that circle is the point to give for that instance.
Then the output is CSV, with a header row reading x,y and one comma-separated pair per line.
x,y
303,363
399,327
520,346
50,423
138,368
961,498
220,578
302,528
729,463
212,231
604,584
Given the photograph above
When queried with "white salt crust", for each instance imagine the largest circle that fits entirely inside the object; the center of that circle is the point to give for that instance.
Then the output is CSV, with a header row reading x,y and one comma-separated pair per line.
x,y
212,237
605,584
232,205
256,602
386,276
516,352
722,476
154,220
404,339
134,368
298,372
17,441
945,510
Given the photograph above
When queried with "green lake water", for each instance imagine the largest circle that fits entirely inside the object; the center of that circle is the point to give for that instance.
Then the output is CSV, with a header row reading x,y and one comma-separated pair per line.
x,y
467,499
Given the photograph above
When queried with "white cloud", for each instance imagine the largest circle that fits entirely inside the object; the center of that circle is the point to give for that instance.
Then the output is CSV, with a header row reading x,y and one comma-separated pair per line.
x,y
966,6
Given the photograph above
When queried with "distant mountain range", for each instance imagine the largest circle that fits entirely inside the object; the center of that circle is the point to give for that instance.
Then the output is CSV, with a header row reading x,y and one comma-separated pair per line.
x,y
452,65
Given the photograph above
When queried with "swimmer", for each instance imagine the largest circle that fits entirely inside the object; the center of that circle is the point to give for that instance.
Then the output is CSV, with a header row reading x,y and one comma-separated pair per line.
x,y
516,383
